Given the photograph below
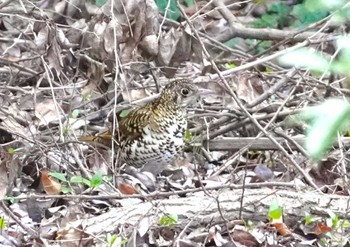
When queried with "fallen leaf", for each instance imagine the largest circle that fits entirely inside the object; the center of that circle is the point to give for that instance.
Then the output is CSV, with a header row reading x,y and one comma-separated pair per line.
x,y
51,186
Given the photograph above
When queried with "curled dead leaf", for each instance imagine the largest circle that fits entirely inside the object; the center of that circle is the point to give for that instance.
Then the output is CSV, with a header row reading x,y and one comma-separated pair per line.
x,y
51,186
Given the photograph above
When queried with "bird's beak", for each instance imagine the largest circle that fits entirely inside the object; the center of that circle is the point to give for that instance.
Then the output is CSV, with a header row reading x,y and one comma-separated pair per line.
x,y
204,91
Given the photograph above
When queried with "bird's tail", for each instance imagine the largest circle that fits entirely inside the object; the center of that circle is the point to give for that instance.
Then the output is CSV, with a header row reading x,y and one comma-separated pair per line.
x,y
104,138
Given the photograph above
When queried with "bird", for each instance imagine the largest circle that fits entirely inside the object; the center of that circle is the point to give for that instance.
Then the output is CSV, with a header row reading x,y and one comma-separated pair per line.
x,y
152,136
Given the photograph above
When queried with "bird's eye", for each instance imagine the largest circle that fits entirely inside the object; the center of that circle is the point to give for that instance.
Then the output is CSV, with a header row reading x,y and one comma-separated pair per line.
x,y
185,91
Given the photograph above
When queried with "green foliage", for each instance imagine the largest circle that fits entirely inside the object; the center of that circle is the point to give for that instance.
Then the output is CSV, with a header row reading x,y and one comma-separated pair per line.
x,y
115,240
331,116
230,65
58,175
10,199
335,222
310,59
276,16
173,12
233,42
249,225
66,189
2,223
75,113
11,150
315,5
260,46
306,58
124,113
305,16
325,121
275,211
66,130
80,180
308,218
96,180
188,136
100,2
168,220
332,229
111,239
86,97
280,15
189,3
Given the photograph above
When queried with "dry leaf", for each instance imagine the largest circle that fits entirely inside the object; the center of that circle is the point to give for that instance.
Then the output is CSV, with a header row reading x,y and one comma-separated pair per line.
x,y
321,228
46,112
282,229
51,186
245,238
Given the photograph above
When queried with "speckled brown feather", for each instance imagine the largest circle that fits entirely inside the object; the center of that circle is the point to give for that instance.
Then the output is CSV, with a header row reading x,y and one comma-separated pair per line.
x,y
151,135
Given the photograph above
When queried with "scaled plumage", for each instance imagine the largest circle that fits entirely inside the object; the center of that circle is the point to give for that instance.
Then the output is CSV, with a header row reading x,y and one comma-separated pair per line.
x,y
152,135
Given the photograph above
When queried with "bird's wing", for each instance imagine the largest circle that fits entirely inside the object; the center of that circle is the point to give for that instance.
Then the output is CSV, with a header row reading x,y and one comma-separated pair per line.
x,y
132,125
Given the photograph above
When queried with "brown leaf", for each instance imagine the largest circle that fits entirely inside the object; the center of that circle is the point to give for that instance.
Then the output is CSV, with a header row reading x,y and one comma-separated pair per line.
x,y
167,45
127,189
51,186
46,112
245,238
249,86
282,229
74,235
322,228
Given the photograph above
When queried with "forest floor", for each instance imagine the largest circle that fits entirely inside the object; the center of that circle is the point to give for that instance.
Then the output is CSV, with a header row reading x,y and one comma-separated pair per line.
x,y
245,179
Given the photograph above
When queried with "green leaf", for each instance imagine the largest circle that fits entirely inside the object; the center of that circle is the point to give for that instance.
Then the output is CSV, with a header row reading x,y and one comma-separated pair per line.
x,y
59,176
269,70
266,20
75,113
189,3
124,113
230,65
2,223
334,218
96,180
111,239
281,9
341,16
249,225
100,2
11,199
305,58
168,220
173,12
342,66
11,150
275,211
188,135
79,180
66,189
326,120
306,16
308,219
314,5
86,97
345,224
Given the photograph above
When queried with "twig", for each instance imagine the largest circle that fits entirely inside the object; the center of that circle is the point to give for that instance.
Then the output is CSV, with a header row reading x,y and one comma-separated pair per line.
x,y
156,194
239,103
28,229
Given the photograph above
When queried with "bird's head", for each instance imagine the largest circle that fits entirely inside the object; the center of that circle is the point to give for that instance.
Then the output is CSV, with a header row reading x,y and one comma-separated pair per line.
x,y
181,92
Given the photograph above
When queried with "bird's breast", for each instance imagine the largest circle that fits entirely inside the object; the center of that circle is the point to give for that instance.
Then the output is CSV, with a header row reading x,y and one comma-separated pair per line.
x,y
157,146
